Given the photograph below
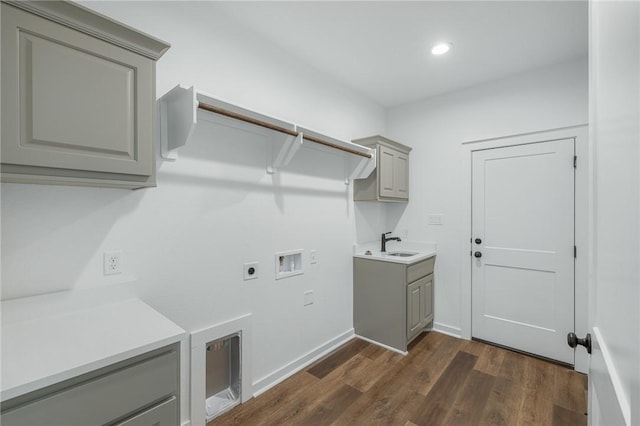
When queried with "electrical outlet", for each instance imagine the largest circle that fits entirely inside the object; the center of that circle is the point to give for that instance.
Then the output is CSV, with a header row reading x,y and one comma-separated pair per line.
x,y
313,254
308,298
250,271
112,262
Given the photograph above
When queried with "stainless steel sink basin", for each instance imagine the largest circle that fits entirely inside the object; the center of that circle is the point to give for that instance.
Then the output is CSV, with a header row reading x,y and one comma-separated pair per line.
x,y
402,254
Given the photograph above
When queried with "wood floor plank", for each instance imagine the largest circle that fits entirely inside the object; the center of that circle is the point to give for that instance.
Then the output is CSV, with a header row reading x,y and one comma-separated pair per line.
x,y
490,360
373,351
569,387
330,405
337,358
474,348
536,408
512,366
446,389
503,404
564,417
471,400
540,375
367,373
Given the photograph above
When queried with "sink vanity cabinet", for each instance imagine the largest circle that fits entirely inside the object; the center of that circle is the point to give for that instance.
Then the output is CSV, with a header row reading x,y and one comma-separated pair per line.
x,y
390,179
392,302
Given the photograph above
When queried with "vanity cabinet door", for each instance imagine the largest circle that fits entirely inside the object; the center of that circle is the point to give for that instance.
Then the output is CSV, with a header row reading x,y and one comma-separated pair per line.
x,y
415,308
427,313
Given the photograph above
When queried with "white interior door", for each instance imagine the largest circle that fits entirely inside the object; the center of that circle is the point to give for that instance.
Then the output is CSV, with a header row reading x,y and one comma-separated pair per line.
x,y
614,290
523,247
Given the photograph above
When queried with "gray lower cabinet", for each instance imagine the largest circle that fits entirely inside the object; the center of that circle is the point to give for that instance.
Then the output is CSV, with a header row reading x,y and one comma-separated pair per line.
x,y
141,391
78,97
392,302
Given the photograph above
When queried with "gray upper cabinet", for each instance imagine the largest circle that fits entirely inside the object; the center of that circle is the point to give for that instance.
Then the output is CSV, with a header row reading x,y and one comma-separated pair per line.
x,y
390,180
78,97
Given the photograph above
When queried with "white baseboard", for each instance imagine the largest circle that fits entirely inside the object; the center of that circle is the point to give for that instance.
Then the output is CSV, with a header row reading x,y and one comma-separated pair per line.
x,y
262,385
382,345
447,329
186,423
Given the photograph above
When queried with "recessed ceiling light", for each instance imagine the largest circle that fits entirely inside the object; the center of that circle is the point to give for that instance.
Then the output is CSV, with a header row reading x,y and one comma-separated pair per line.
x,y
441,48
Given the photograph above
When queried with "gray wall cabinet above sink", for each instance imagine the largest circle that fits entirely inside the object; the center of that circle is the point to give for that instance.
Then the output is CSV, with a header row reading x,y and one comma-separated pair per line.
x,y
390,179
392,302
78,97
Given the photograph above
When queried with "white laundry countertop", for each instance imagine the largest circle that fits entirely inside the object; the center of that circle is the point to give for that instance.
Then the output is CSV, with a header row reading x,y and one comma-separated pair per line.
x,y
422,251
45,341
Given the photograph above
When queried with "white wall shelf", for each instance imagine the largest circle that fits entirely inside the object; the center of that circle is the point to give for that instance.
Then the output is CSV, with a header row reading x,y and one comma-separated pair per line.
x,y
183,108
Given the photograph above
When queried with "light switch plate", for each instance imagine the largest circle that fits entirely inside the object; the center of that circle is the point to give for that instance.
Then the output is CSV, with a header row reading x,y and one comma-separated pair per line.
x,y
435,219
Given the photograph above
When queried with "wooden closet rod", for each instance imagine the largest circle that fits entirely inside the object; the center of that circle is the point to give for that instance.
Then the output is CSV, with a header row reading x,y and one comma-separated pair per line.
x,y
261,123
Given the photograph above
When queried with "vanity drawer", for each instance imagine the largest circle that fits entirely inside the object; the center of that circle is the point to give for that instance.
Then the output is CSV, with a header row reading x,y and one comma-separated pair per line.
x,y
101,397
420,269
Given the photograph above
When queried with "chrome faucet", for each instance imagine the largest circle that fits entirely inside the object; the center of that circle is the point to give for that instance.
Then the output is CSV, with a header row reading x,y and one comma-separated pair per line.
x,y
384,240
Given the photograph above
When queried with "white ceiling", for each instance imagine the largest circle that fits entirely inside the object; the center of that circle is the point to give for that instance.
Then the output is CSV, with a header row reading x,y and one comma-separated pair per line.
x,y
381,49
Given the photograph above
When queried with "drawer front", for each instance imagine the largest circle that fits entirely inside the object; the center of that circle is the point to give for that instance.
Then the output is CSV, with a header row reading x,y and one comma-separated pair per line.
x,y
420,269
104,398
164,414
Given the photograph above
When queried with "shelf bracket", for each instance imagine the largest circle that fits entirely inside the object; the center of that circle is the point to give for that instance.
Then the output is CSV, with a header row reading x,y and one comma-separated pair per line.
x,y
362,167
178,118
287,151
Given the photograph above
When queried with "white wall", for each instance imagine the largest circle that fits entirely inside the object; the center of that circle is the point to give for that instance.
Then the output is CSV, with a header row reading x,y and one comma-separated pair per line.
x,y
542,99
185,241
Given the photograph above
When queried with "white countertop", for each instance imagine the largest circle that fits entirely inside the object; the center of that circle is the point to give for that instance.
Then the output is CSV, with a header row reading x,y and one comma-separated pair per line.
x,y
55,344
422,251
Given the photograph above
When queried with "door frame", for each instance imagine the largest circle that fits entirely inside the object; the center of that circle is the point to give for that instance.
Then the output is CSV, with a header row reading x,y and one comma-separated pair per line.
x,y
582,203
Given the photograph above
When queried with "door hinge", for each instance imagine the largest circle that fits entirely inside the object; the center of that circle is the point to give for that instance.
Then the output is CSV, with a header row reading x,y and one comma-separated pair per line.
x,y
575,252
575,161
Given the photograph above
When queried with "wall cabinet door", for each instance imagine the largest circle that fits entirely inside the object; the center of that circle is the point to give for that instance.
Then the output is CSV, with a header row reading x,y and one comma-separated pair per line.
x,y
72,103
401,175
386,173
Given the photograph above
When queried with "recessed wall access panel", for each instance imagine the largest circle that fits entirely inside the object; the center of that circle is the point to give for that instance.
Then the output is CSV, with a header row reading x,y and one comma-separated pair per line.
x,y
223,380
288,264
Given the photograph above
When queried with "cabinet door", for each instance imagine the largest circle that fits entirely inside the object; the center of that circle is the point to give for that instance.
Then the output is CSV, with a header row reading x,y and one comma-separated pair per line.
x,y
385,172
427,312
401,175
71,101
415,300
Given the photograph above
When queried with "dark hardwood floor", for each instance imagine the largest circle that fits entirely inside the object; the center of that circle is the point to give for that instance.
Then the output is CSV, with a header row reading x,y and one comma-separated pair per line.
x,y
443,381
